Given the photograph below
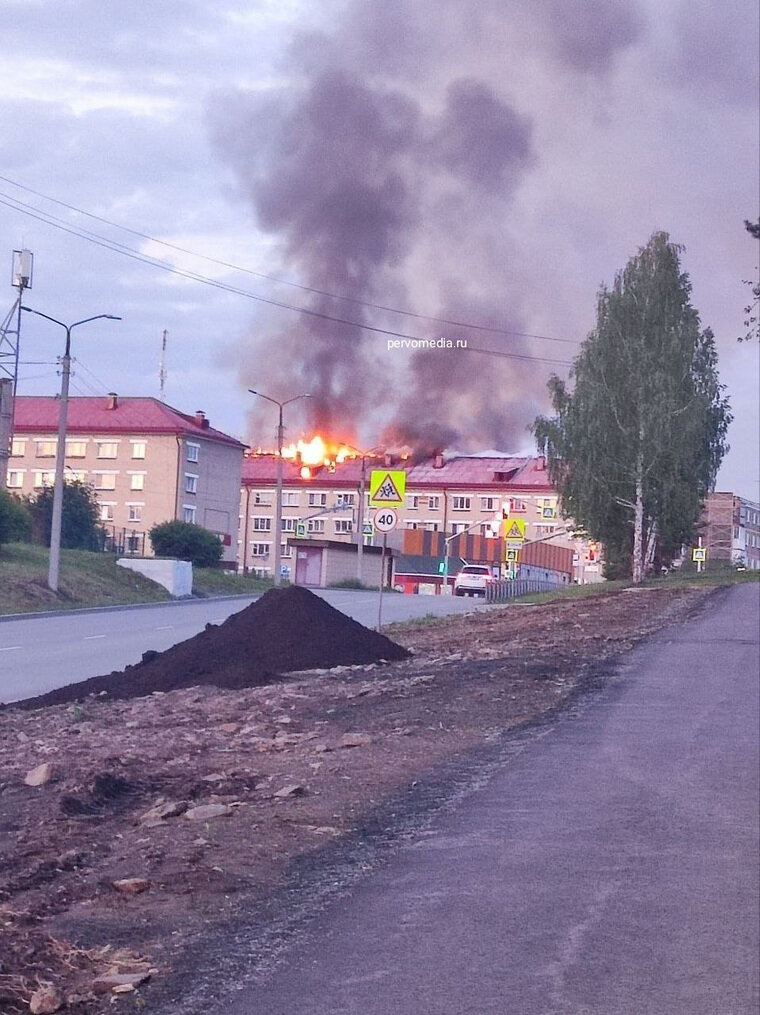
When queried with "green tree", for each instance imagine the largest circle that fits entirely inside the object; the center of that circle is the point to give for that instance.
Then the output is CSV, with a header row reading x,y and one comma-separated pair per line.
x,y
186,542
636,445
80,526
15,520
752,309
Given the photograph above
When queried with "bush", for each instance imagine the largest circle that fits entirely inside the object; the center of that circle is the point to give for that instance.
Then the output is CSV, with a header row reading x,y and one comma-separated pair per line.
x,y
15,520
186,541
80,525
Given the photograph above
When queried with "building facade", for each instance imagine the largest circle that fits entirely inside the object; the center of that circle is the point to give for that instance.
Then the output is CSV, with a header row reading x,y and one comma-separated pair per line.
x,y
450,495
147,462
730,529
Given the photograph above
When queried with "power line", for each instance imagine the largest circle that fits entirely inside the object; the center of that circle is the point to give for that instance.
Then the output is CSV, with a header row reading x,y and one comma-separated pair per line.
x,y
215,283
52,220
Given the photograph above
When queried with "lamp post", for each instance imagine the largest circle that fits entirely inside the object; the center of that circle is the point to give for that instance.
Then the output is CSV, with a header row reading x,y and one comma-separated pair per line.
x,y
278,502
364,455
60,451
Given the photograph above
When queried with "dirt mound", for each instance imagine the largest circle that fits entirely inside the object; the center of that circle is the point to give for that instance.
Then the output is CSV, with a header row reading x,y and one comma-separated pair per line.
x,y
287,629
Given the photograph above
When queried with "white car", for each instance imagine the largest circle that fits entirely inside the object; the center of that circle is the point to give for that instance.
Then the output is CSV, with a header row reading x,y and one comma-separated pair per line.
x,y
472,580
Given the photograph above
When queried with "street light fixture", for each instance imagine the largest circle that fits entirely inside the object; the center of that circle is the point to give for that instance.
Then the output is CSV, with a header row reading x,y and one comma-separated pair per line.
x,y
278,504
60,451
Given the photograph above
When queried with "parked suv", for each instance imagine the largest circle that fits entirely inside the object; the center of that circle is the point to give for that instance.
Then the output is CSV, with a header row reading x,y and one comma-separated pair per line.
x,y
472,580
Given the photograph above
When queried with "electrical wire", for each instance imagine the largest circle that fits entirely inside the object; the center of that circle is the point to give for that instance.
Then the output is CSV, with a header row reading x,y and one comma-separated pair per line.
x,y
24,208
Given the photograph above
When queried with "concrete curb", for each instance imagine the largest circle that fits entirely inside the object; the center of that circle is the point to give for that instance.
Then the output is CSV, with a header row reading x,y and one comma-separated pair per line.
x,y
124,606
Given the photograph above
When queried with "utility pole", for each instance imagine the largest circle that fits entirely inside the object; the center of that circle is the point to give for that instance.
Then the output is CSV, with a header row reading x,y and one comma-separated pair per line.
x,y
10,341
162,369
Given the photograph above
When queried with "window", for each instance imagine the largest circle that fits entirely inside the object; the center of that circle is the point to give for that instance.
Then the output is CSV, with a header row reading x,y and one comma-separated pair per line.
x,y
191,483
15,479
290,498
262,498
106,512
261,523
76,449
490,504
188,513
259,549
317,500
431,526
289,524
18,448
412,502
412,524
137,481
46,449
434,503
43,479
460,503
134,512
72,476
104,480
545,530
193,451
459,527
316,525
286,550
517,506
107,449
138,449
343,525
345,500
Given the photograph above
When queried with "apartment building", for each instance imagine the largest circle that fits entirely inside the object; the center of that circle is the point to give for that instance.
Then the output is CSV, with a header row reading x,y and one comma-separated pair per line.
x,y
146,461
448,494
730,529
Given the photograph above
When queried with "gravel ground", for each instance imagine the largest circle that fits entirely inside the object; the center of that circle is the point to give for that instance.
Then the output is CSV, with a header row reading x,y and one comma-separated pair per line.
x,y
164,824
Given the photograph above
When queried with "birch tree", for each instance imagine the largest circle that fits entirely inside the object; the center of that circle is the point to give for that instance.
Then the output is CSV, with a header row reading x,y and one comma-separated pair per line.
x,y
635,446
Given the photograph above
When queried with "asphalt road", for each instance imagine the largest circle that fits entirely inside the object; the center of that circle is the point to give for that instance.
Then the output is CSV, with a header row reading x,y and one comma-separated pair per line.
x,y
44,651
611,868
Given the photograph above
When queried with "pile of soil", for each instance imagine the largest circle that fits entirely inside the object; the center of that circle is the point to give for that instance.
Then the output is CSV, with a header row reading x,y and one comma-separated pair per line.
x,y
286,630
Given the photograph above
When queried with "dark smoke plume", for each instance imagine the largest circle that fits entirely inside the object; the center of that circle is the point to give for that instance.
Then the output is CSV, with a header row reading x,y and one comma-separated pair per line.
x,y
385,170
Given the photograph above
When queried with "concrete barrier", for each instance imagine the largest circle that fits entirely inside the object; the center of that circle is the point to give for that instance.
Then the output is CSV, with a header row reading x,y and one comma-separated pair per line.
x,y
175,575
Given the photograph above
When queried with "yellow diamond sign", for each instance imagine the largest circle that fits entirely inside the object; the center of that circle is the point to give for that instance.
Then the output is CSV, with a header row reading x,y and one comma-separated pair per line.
x,y
514,530
387,487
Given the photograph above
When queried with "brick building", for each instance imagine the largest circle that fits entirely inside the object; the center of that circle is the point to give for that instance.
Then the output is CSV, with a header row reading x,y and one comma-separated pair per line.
x,y
444,494
730,529
146,461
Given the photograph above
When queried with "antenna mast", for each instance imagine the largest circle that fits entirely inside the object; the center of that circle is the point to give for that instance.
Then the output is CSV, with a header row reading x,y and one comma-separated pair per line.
x,y
162,368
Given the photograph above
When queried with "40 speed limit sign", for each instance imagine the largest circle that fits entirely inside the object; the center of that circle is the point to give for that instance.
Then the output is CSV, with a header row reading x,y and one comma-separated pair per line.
x,y
385,519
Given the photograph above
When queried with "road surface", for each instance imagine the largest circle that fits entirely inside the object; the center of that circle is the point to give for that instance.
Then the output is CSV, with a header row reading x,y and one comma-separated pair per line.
x,y
41,652
611,868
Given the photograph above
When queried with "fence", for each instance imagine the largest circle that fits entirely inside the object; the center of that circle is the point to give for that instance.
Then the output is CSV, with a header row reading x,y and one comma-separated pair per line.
x,y
500,591
123,542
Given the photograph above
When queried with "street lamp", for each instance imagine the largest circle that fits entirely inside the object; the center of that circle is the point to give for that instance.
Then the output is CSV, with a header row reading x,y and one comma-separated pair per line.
x,y
278,504
60,451
364,455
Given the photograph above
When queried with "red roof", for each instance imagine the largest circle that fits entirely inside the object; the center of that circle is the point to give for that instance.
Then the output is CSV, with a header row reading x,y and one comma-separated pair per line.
x,y
91,415
461,473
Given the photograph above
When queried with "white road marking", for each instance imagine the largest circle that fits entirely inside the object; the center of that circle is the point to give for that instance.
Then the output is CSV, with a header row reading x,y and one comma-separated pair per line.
x,y
166,627
9,648
93,637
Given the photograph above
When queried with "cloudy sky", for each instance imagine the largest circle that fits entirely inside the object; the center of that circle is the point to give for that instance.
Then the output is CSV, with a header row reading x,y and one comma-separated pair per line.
x,y
286,187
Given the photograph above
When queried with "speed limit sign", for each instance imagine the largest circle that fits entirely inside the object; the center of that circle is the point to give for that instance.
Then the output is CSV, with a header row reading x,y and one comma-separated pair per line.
x,y
385,519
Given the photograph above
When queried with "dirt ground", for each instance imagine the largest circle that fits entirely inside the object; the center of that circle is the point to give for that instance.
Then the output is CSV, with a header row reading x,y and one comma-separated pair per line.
x,y
159,820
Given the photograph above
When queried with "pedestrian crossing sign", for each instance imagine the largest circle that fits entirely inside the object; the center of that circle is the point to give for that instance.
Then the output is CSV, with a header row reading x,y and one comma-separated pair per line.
x,y
511,554
387,487
514,530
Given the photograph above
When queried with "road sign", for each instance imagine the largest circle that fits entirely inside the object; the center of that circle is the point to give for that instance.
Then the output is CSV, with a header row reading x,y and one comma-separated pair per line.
x,y
385,519
387,487
300,530
514,530
699,553
512,553
367,528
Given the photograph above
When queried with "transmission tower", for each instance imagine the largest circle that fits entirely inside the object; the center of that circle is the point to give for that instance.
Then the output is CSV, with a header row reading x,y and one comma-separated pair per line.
x,y
10,340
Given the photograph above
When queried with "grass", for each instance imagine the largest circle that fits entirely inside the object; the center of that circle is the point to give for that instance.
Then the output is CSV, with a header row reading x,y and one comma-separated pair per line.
x,y
208,581
85,579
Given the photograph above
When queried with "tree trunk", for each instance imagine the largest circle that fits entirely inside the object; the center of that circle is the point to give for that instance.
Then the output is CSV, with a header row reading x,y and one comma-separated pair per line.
x,y
638,520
